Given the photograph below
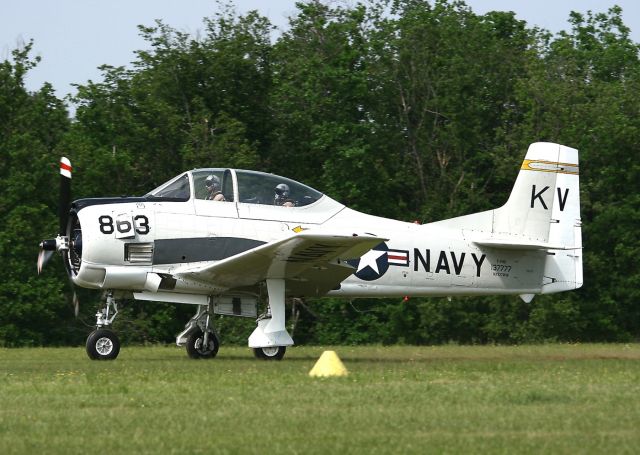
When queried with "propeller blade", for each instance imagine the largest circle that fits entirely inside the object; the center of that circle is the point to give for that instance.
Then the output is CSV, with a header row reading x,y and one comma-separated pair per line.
x,y
47,248
65,193
74,300
43,258
76,304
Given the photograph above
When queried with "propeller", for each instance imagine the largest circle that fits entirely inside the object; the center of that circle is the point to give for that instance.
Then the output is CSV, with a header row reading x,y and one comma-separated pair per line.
x,y
61,242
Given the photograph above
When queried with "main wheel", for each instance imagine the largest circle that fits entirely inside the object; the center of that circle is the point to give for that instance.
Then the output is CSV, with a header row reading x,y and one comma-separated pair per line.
x,y
270,353
196,348
103,344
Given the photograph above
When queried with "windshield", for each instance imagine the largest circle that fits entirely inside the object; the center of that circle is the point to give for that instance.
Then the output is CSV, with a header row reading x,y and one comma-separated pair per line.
x,y
176,189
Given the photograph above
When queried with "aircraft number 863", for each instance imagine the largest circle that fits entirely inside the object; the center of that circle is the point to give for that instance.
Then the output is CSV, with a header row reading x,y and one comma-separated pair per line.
x,y
141,224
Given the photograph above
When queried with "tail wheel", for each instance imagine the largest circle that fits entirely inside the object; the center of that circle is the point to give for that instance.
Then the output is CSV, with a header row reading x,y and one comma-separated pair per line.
x,y
103,344
196,348
270,353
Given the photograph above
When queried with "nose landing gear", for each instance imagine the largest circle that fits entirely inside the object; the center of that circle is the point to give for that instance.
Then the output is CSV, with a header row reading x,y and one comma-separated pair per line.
x,y
102,343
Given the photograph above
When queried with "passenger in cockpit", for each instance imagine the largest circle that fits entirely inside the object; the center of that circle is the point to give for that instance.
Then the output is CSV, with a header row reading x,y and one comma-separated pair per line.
x,y
213,189
282,196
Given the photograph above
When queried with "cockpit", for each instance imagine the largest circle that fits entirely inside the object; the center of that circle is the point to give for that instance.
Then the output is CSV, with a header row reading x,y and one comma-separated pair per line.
x,y
234,185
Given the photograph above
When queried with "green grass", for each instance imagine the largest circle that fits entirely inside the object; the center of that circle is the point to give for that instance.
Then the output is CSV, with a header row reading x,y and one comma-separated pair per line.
x,y
449,399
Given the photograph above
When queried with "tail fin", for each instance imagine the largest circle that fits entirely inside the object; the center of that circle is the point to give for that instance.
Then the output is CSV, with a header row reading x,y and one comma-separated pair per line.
x,y
545,200
543,212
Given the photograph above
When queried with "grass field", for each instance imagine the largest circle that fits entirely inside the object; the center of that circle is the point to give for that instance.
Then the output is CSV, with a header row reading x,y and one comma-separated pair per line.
x,y
449,399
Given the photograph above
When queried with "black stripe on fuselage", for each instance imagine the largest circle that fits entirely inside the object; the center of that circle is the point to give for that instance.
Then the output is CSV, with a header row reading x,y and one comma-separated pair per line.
x,y
174,251
88,202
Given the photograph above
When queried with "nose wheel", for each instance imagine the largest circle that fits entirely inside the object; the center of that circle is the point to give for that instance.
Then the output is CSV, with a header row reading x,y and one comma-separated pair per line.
x,y
103,344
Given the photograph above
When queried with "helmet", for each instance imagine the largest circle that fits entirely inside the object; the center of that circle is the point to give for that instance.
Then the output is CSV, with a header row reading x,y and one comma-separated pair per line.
x,y
282,191
212,183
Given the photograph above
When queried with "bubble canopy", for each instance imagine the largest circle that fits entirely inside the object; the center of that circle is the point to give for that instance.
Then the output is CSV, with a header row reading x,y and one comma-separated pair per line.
x,y
236,185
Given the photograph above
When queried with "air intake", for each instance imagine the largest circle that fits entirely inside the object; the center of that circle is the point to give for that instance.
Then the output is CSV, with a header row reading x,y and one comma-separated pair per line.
x,y
138,253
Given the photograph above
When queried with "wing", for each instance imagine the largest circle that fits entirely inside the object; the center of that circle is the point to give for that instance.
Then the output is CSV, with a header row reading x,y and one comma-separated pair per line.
x,y
311,263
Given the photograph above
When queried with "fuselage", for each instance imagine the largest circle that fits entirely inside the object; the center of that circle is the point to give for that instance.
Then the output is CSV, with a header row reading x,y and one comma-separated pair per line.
x,y
123,240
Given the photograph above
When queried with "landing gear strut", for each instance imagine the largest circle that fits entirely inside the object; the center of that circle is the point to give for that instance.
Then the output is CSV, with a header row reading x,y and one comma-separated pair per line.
x,y
102,343
270,339
199,335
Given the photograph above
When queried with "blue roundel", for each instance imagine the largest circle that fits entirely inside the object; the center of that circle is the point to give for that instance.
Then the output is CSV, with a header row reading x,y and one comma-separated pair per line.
x,y
373,264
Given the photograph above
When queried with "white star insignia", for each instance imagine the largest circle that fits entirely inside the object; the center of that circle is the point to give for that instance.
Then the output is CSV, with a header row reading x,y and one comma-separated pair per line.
x,y
370,259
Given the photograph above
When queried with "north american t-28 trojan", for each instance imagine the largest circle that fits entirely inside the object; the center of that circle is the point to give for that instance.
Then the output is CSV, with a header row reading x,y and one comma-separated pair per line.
x,y
218,238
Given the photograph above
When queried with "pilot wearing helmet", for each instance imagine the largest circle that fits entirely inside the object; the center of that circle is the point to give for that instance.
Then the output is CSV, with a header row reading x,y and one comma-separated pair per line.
x,y
282,196
213,189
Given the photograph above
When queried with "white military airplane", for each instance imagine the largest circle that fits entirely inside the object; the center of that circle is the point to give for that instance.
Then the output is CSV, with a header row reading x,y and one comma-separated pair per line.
x,y
216,238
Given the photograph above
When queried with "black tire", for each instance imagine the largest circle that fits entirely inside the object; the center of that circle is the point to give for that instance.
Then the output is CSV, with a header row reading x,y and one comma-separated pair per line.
x,y
103,344
270,353
195,348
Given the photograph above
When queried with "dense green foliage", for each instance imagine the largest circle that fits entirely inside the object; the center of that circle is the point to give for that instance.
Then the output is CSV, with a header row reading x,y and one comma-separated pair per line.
x,y
404,109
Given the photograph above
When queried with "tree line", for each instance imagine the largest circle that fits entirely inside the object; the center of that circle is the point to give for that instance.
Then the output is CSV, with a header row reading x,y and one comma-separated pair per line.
x,y
406,109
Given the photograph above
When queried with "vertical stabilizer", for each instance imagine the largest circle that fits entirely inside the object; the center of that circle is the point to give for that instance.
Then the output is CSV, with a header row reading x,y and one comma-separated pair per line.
x,y
544,209
547,186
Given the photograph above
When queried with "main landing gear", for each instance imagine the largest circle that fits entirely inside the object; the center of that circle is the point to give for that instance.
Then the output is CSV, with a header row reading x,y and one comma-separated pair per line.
x,y
102,343
270,339
199,335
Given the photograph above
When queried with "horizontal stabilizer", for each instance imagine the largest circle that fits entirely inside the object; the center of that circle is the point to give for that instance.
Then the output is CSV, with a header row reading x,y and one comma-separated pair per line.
x,y
512,244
